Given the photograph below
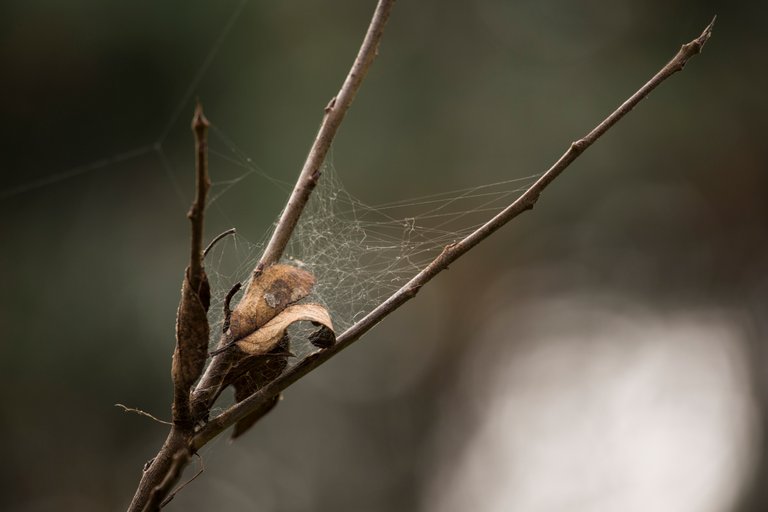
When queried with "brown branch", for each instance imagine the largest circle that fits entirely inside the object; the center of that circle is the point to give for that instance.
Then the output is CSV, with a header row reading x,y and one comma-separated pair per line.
x,y
161,493
451,253
334,114
200,127
160,474
163,471
172,495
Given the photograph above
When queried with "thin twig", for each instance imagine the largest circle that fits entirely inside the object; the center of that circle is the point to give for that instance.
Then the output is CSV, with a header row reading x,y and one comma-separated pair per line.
x,y
143,413
164,470
449,254
157,498
179,488
334,114
200,127
228,232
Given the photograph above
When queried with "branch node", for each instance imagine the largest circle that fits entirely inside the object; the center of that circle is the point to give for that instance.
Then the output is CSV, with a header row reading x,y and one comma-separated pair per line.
x,y
330,105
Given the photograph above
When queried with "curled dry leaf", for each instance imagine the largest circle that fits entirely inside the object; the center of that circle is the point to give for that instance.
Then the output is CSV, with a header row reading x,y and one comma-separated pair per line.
x,y
258,327
268,294
191,333
269,335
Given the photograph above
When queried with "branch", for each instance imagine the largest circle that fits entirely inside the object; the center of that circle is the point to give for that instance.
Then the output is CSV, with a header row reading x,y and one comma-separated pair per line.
x,y
334,114
451,253
200,127
189,356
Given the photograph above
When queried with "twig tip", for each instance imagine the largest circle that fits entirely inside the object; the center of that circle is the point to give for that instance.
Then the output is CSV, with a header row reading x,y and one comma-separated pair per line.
x,y
707,33
199,121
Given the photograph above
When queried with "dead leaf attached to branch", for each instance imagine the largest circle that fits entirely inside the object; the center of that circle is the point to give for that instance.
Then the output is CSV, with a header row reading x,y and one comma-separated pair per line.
x,y
259,329
268,294
253,373
269,335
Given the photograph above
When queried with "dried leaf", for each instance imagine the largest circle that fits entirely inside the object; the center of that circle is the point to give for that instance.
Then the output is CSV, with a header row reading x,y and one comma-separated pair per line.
x,y
268,294
191,333
323,337
269,335
257,371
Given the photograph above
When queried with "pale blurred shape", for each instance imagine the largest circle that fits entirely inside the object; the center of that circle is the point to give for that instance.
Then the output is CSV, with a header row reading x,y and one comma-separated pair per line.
x,y
599,411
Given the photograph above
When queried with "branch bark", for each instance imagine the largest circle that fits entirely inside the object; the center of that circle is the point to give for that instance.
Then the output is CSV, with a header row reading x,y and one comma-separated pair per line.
x,y
334,115
260,399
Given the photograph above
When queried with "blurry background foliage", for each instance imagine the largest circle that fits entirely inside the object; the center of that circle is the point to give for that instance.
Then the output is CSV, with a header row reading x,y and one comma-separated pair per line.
x,y
646,261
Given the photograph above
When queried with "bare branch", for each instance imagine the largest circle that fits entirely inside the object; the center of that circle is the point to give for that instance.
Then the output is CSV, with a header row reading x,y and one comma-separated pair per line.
x,y
172,495
192,333
160,495
450,254
334,114
200,127
155,480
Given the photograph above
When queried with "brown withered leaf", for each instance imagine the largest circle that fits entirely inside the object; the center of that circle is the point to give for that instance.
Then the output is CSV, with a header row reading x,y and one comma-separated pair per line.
x,y
256,372
323,337
191,333
267,295
269,335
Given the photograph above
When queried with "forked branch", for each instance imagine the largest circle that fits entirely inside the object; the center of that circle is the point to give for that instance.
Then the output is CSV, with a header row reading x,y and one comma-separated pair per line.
x,y
212,382
450,254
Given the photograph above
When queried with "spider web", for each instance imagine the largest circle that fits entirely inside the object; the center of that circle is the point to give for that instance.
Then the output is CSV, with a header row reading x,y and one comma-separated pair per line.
x,y
359,253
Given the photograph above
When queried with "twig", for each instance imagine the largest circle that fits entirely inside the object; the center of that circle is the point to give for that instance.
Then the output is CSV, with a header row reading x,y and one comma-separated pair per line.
x,y
157,498
164,470
161,473
228,232
334,114
179,488
449,254
200,127
142,413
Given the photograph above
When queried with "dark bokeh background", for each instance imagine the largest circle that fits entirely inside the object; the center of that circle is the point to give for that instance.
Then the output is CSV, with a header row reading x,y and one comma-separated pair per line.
x,y
667,213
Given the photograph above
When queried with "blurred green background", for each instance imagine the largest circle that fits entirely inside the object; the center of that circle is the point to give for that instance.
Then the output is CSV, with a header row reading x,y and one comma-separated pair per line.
x,y
667,213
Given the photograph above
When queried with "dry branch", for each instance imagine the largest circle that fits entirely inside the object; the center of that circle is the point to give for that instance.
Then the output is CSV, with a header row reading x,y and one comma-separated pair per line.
x,y
189,356
449,254
334,115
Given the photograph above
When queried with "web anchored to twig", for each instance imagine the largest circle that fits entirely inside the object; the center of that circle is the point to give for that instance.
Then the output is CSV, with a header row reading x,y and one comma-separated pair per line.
x,y
252,351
